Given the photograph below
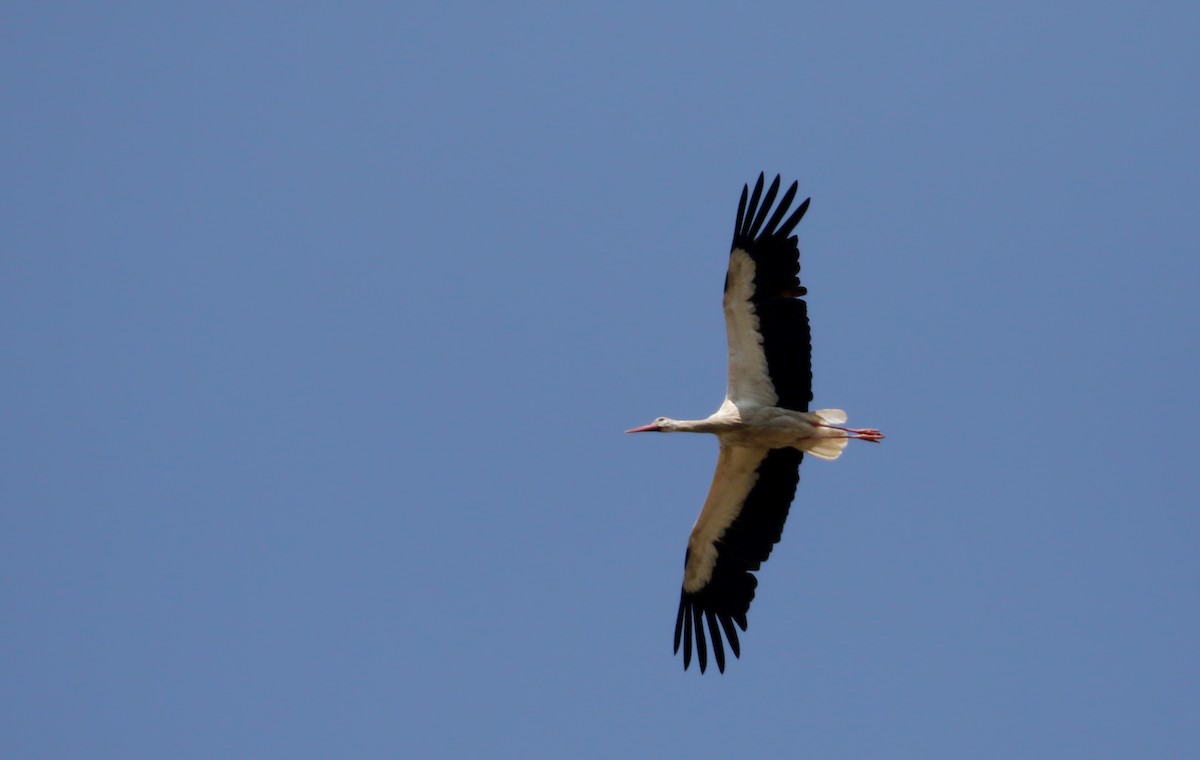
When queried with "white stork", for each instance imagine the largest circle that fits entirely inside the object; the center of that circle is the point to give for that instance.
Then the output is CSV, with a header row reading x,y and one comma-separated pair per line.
x,y
764,426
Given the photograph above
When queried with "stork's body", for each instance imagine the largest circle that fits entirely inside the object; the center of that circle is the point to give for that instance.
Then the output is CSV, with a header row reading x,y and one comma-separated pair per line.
x,y
764,426
770,427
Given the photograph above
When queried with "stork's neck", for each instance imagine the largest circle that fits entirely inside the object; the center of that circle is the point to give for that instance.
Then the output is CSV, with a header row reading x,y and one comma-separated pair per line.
x,y
712,424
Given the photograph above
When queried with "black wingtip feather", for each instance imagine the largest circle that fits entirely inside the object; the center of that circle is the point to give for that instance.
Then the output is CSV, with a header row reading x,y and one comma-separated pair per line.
x,y
767,200
794,219
678,627
715,635
784,203
731,635
752,207
741,214
687,637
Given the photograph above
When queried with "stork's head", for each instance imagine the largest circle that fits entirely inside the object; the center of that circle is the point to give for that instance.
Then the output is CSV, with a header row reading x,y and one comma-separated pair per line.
x,y
660,425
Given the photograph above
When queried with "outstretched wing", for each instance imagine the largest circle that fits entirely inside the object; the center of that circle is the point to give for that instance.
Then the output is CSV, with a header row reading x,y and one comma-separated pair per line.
x,y
766,321
742,519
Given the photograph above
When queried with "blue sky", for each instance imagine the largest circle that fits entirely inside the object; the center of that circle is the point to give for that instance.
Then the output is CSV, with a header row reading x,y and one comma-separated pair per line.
x,y
320,326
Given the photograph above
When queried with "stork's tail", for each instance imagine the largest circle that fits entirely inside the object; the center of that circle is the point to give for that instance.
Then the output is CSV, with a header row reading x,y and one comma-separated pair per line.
x,y
827,443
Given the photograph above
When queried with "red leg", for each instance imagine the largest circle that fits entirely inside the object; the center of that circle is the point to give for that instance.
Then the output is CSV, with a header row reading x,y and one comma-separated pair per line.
x,y
863,434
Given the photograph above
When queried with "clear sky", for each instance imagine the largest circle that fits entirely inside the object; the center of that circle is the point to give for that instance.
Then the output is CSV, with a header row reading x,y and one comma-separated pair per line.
x,y
320,326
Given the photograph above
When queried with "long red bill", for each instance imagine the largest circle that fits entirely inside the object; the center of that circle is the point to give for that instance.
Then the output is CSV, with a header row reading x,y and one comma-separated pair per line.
x,y
643,429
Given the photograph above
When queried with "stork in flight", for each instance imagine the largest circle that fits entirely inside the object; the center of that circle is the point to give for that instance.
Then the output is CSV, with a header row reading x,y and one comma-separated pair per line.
x,y
764,426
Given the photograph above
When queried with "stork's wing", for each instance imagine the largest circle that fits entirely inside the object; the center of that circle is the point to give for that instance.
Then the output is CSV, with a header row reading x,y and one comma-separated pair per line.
x,y
742,519
766,321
